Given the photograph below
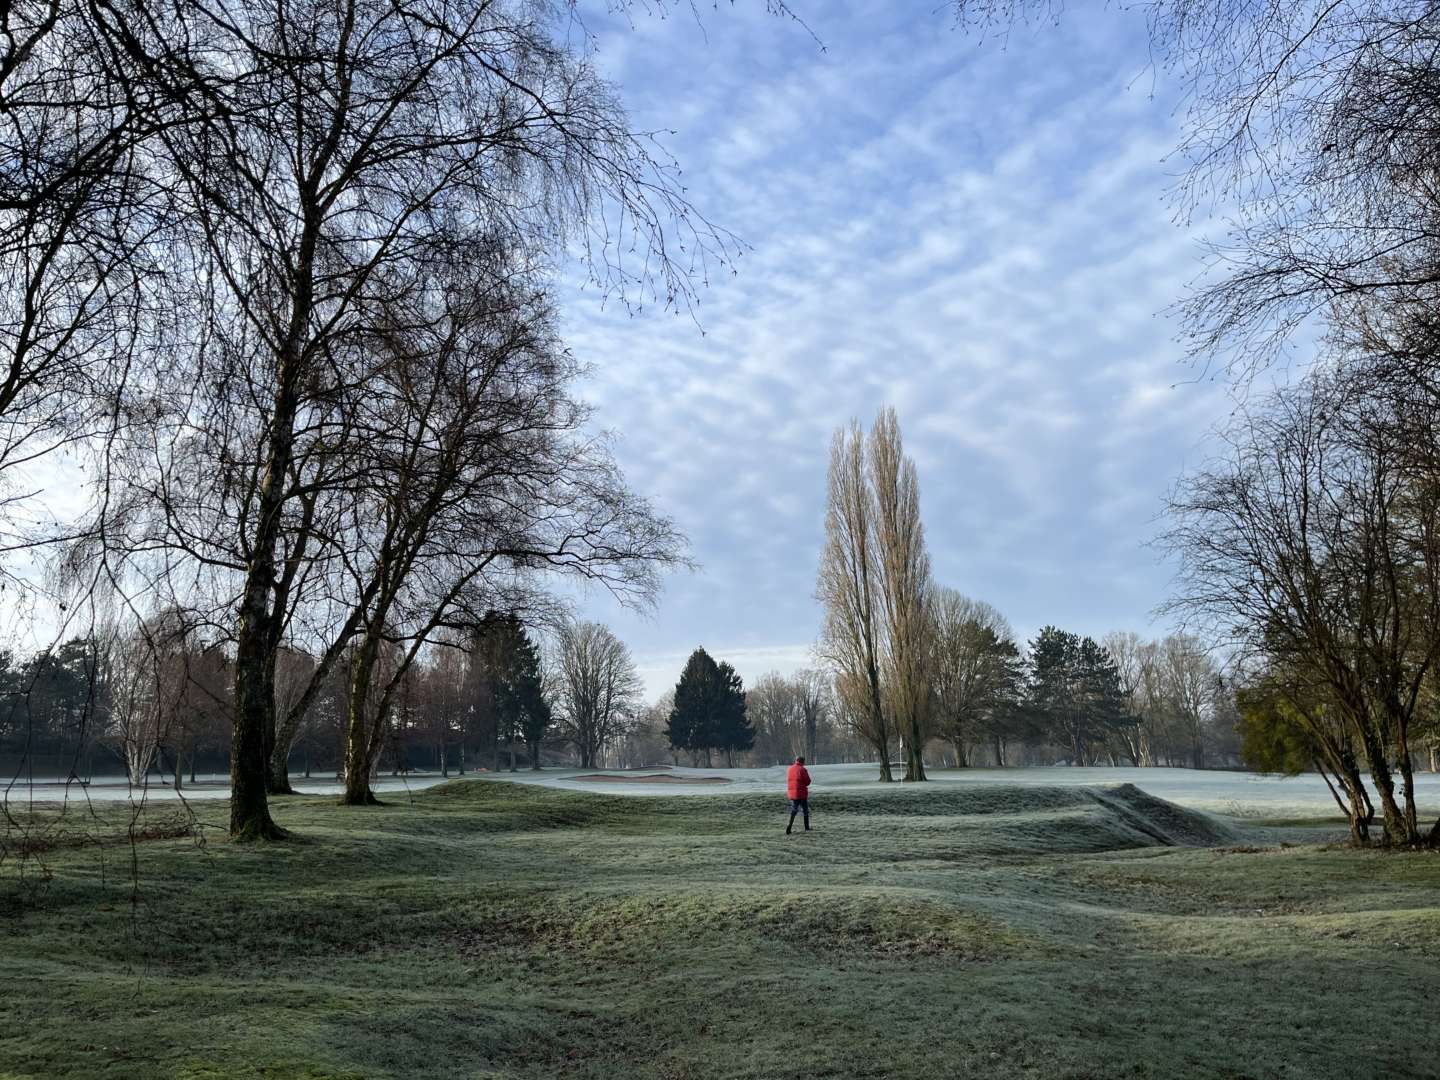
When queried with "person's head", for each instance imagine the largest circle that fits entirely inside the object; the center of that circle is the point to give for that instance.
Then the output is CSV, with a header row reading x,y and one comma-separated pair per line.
x,y
799,761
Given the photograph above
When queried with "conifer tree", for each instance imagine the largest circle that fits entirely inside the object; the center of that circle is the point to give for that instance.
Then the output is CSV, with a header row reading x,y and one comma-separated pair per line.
x,y
735,733
512,675
709,710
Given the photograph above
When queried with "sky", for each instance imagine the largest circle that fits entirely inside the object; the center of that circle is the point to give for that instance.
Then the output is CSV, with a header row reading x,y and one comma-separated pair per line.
x,y
976,232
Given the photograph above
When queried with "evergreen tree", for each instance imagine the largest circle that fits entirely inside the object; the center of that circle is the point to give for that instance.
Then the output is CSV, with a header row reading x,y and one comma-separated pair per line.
x,y
516,689
1102,697
709,710
1075,693
523,699
734,732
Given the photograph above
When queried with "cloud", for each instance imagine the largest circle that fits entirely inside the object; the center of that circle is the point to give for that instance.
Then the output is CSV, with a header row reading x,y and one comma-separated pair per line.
x,y
977,236
660,670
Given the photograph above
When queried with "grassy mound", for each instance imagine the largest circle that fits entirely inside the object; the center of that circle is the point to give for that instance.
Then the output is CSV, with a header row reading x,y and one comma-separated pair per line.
x,y
1029,819
1163,821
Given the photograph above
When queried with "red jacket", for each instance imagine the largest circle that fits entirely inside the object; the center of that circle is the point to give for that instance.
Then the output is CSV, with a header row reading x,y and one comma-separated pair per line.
x,y
797,782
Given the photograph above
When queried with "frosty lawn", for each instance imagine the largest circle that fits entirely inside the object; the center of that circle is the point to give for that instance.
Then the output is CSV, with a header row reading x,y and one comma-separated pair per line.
x,y
493,929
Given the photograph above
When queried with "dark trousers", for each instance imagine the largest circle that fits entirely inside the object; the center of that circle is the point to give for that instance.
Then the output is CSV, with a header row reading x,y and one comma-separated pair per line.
x,y
796,807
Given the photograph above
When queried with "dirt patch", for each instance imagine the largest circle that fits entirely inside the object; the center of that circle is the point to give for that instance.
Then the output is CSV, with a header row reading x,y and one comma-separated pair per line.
x,y
658,778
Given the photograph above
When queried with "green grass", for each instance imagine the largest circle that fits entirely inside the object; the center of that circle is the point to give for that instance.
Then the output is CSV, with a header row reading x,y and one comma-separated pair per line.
x,y
492,930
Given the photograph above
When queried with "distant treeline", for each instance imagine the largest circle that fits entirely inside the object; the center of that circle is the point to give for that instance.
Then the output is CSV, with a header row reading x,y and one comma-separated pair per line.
x,y
161,703
1063,699
106,706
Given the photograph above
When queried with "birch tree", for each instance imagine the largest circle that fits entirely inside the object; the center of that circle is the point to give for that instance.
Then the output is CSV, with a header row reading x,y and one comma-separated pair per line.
x,y
336,144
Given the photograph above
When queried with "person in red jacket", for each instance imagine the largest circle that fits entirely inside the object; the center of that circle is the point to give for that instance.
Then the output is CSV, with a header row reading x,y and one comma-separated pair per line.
x,y
797,784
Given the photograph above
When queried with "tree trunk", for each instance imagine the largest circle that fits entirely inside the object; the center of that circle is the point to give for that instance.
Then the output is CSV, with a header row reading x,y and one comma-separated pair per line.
x,y
999,752
1398,830
886,775
914,759
254,718
249,806
962,759
1407,772
277,775
360,741
1351,806
357,767
1394,818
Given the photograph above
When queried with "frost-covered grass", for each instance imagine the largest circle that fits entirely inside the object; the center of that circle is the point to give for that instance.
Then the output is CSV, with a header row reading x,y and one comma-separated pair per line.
x,y
1233,793
487,929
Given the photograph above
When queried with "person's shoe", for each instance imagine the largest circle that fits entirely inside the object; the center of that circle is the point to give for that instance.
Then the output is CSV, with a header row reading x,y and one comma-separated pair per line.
x,y
787,830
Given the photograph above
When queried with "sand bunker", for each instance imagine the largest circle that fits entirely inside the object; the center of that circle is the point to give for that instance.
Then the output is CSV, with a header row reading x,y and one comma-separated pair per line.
x,y
659,778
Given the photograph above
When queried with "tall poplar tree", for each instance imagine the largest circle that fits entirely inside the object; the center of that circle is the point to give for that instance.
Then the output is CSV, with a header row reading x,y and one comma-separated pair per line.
x,y
874,583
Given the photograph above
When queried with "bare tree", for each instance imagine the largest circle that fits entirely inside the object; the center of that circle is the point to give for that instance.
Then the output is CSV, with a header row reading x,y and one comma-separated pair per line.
x,y
850,588
481,483
976,671
905,594
1189,676
597,688
774,705
164,684
1128,652
77,210
335,145
1315,122
644,743
816,706
295,671
1314,545
135,711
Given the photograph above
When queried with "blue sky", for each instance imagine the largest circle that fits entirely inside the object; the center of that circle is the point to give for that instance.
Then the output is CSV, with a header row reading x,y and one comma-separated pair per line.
x,y
975,232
